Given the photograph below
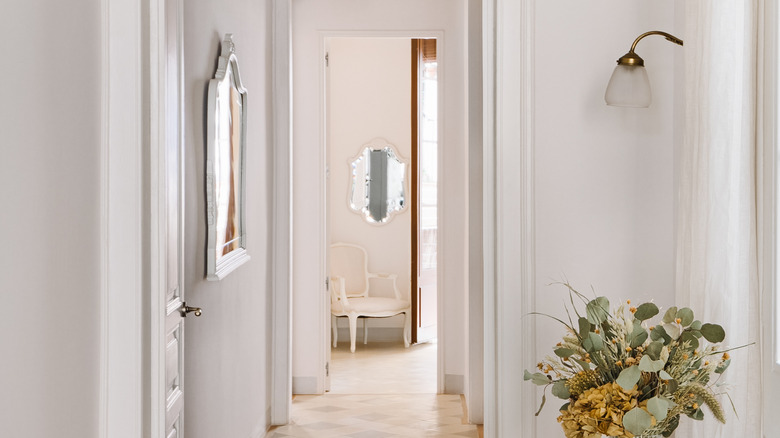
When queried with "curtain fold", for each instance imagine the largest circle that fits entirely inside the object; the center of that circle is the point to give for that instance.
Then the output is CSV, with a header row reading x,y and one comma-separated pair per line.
x,y
717,257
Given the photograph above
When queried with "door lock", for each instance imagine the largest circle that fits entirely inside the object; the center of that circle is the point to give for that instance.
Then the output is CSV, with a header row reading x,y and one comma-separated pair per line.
x,y
185,309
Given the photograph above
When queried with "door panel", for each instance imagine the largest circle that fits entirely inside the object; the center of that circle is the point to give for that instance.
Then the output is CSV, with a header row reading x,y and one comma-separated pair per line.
x,y
174,294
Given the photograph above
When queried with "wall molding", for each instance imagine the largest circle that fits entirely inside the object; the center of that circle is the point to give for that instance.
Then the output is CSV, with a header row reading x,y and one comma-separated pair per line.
x,y
281,342
508,199
121,398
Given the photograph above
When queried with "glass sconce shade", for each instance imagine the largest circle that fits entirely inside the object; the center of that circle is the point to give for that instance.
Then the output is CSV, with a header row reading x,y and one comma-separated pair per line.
x,y
629,86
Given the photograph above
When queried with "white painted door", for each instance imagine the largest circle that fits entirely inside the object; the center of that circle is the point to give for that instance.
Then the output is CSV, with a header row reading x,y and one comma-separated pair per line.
x,y
173,243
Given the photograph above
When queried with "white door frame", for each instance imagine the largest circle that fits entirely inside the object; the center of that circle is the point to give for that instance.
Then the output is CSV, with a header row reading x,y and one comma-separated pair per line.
x,y
442,75
508,146
508,203
132,401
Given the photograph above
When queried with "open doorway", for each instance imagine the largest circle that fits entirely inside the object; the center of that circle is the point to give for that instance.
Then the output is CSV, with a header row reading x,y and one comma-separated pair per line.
x,y
381,100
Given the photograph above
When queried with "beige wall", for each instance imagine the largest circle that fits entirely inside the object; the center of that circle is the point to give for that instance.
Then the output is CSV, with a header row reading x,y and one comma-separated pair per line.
x,y
227,349
369,96
604,176
49,219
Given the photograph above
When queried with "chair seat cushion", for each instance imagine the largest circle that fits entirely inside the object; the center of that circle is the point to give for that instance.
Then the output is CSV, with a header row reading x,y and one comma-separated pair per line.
x,y
371,305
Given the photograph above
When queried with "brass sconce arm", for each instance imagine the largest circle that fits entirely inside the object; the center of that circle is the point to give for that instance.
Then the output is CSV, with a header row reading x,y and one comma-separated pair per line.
x,y
631,58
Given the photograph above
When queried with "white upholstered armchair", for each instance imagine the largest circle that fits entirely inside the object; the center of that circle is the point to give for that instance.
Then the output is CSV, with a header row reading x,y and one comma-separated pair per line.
x,y
350,295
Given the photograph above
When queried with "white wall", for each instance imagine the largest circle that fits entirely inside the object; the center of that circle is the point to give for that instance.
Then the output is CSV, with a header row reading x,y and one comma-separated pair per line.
x,y
227,349
49,224
369,96
311,19
604,176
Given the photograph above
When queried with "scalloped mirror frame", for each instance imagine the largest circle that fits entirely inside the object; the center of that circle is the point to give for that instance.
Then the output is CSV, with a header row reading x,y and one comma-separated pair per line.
x,y
377,144
217,267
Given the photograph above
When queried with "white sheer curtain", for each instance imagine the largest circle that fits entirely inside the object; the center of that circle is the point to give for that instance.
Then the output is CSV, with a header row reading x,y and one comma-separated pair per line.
x,y
717,259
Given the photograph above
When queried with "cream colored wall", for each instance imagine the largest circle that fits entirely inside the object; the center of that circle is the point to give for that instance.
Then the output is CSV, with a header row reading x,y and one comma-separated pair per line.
x,y
50,120
604,176
227,350
369,96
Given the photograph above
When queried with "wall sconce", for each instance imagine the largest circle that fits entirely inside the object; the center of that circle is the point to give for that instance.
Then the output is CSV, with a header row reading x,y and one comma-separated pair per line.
x,y
629,85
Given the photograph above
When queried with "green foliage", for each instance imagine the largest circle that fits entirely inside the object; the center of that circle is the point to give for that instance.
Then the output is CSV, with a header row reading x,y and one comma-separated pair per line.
x,y
637,420
713,333
597,310
629,377
646,311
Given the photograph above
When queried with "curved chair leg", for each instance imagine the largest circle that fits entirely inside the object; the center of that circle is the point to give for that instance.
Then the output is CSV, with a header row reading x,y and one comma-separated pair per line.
x,y
365,331
407,329
352,331
334,327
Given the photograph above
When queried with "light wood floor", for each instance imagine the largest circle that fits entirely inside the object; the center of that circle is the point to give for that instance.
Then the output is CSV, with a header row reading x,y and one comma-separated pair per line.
x,y
383,390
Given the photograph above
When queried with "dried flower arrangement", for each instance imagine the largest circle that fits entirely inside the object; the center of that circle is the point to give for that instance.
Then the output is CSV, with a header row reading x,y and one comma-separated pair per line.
x,y
625,377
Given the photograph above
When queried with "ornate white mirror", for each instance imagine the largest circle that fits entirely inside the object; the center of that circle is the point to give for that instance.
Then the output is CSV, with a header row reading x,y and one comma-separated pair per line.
x,y
225,167
378,182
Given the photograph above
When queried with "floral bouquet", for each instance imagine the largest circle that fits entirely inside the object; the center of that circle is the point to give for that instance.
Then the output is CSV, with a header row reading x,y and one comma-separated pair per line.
x,y
623,376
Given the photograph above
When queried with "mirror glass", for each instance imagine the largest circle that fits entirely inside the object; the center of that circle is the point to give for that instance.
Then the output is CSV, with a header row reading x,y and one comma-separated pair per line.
x,y
378,182
226,132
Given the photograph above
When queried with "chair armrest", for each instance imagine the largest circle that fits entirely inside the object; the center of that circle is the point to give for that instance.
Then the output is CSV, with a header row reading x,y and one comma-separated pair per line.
x,y
387,276
338,290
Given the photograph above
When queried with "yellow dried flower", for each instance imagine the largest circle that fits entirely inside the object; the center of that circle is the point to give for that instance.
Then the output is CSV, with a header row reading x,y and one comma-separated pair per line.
x,y
582,381
599,411
726,356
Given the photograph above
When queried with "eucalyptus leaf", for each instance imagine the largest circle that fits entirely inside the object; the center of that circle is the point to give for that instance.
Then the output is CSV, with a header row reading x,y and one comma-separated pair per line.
x,y
639,339
658,333
565,407
664,375
670,314
653,350
646,311
584,365
597,310
696,333
713,333
536,378
686,316
649,365
723,366
584,327
673,330
564,352
658,407
696,325
691,339
560,390
629,377
637,420
593,343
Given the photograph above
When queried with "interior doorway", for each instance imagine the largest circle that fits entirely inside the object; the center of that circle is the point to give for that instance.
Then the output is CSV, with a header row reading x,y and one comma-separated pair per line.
x,y
381,93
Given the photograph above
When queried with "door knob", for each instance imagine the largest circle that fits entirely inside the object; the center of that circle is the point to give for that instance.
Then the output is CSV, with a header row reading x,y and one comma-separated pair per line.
x,y
185,309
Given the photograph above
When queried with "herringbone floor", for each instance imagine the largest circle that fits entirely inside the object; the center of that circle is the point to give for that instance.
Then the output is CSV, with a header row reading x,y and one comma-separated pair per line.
x,y
377,416
381,391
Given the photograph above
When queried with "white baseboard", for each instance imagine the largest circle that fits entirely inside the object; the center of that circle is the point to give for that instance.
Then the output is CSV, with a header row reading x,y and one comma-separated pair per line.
x,y
375,334
453,384
304,385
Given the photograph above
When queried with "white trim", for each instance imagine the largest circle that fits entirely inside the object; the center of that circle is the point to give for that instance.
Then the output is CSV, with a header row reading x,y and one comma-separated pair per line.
x,y
281,348
768,209
509,197
121,348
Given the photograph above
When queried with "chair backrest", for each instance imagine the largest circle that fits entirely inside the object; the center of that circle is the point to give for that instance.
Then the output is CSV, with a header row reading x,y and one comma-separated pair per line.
x,y
350,262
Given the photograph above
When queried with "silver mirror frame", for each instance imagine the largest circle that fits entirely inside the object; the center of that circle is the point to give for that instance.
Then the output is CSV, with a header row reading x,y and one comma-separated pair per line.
x,y
219,267
377,144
